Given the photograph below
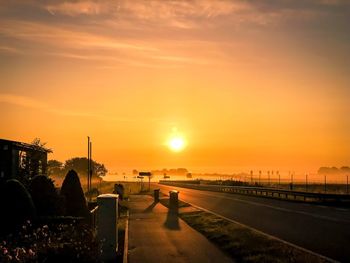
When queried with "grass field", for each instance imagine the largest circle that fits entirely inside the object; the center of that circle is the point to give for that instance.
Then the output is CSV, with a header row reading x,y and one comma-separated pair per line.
x,y
241,243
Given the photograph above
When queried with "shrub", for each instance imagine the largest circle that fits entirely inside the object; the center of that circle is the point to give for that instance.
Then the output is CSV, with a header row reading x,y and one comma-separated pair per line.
x,y
45,197
57,242
75,204
16,204
93,193
119,189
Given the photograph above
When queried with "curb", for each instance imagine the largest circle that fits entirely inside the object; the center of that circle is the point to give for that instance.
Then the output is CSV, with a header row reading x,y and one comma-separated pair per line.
x,y
126,240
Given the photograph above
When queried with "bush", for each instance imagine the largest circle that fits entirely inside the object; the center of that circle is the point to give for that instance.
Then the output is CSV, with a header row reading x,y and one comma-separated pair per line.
x,y
93,193
56,242
16,204
45,197
75,204
119,189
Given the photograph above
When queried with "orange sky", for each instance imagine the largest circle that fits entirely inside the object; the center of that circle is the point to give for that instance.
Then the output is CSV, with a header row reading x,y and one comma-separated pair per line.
x,y
248,83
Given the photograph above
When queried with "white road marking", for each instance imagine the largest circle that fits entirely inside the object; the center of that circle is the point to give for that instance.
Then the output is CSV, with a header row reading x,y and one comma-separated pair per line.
x,y
342,209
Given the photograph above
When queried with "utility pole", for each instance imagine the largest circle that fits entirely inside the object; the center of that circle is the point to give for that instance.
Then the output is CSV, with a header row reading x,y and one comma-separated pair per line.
x,y
88,168
306,182
90,175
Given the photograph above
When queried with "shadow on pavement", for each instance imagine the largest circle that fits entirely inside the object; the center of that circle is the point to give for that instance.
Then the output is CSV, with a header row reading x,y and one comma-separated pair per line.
x,y
172,220
150,208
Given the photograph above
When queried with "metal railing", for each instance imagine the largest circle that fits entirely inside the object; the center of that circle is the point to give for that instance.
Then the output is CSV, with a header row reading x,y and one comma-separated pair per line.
x,y
264,191
93,219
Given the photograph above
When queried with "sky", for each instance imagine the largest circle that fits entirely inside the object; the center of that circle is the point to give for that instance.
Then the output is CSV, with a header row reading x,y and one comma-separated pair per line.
x,y
247,84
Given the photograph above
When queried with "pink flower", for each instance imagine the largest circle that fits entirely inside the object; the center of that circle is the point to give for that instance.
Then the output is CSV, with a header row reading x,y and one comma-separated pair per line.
x,y
31,252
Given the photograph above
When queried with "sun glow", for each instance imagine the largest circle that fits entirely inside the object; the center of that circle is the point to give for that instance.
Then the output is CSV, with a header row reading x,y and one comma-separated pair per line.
x,y
176,144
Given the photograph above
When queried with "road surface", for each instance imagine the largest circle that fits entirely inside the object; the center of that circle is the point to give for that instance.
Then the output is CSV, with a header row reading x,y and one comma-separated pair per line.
x,y
157,235
324,230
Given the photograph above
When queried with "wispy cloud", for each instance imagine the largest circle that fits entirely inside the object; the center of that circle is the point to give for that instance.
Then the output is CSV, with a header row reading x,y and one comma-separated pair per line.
x,y
58,35
28,102
22,101
82,8
146,33
7,49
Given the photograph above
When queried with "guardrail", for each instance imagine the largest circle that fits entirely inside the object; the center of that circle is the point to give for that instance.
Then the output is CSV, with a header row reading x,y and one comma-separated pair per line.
x,y
266,192
93,219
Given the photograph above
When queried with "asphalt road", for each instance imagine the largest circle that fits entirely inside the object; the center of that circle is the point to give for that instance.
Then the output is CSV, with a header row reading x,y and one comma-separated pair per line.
x,y
322,229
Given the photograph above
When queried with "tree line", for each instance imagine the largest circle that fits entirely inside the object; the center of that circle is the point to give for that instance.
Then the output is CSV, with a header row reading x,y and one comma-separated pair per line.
x,y
79,164
334,170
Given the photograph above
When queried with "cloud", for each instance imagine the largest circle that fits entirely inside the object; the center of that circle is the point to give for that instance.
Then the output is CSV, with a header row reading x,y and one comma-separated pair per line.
x,y
148,33
184,14
22,101
28,102
7,49
146,10
70,37
82,8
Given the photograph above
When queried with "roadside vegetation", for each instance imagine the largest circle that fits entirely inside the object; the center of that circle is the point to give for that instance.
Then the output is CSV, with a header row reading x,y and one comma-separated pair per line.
x,y
40,223
241,243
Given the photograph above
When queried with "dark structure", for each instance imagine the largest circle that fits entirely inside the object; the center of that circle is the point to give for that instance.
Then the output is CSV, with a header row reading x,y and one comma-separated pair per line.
x,y
21,159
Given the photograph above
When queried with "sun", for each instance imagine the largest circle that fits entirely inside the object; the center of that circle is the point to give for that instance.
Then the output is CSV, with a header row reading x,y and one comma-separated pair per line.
x,y
176,144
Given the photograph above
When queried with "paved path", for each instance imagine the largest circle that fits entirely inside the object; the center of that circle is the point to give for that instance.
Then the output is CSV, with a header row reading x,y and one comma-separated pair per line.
x,y
156,236
322,229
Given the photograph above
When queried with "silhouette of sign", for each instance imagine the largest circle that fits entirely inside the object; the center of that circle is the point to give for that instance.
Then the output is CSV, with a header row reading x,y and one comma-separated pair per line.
x,y
145,174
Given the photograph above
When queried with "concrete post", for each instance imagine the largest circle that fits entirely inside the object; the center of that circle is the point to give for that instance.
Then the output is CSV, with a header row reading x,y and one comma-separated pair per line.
x,y
173,200
107,230
156,195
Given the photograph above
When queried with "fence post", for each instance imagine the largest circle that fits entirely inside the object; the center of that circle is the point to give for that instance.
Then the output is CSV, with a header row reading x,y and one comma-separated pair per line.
x,y
107,230
325,183
279,179
306,182
347,184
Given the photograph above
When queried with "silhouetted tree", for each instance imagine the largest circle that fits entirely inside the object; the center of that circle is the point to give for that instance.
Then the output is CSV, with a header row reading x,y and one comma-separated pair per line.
x,y
37,142
328,170
345,169
16,205
79,164
54,167
75,204
45,197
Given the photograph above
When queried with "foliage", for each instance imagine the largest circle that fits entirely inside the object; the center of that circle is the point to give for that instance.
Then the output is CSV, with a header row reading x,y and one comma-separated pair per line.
x,y
80,164
119,189
54,167
16,204
62,242
45,197
75,204
93,193
333,170
242,243
37,142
